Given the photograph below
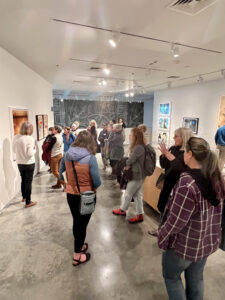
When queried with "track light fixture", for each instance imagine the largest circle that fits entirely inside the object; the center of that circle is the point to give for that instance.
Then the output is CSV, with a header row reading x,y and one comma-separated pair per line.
x,y
114,39
106,71
175,51
200,79
223,73
102,82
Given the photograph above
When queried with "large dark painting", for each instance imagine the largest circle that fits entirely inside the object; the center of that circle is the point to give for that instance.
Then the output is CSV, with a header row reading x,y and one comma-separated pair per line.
x,y
69,111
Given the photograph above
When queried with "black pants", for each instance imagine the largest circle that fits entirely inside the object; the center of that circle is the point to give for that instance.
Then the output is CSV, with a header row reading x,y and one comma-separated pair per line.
x,y
26,173
113,165
80,222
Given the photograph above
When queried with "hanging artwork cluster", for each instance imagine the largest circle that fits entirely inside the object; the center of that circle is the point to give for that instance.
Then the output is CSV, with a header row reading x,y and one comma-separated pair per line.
x,y
42,126
164,122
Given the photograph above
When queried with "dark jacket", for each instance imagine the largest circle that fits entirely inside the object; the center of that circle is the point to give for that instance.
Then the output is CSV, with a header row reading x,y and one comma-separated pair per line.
x,y
103,135
116,146
172,174
166,163
47,147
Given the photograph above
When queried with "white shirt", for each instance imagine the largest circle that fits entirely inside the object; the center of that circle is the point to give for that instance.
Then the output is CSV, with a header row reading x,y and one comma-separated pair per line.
x,y
58,146
24,147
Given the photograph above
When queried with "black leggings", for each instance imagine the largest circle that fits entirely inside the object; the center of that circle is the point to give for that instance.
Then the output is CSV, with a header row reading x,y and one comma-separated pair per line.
x,y
26,173
80,222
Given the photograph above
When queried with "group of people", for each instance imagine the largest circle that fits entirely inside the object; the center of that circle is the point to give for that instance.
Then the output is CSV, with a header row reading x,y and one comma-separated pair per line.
x,y
190,202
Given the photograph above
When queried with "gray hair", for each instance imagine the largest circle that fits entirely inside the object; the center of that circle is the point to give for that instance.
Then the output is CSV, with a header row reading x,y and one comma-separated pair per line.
x,y
118,127
26,128
185,134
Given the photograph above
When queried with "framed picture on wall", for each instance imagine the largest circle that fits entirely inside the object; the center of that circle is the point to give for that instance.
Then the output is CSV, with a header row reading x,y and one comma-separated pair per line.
x,y
163,137
40,127
165,109
164,123
191,123
45,125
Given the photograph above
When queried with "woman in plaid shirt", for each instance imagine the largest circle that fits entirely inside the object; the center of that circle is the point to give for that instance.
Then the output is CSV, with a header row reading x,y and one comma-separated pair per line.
x,y
191,225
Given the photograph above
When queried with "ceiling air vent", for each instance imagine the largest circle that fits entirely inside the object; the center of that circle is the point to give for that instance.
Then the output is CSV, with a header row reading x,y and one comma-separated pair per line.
x,y
190,7
95,68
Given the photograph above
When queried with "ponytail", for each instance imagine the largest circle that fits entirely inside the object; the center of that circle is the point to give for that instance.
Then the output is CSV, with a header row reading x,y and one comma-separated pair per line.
x,y
209,162
210,170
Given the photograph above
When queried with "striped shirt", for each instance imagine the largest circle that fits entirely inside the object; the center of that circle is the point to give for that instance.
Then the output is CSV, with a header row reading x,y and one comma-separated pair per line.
x,y
191,226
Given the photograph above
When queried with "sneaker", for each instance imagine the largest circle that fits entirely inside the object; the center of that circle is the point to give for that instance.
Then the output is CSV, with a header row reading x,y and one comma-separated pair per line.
x,y
137,219
56,186
30,204
119,212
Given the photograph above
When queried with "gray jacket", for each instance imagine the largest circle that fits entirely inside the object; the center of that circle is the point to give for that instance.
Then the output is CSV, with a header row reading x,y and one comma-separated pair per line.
x,y
136,161
116,146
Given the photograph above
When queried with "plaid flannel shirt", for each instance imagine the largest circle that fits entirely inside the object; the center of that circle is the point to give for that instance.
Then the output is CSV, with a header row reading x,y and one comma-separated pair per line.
x,y
191,226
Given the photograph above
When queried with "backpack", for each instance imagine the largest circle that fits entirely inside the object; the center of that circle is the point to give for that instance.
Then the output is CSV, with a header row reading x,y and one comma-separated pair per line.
x,y
150,160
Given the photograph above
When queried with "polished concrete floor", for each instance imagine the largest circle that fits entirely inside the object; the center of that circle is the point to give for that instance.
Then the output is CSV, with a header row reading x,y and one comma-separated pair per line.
x,y
36,247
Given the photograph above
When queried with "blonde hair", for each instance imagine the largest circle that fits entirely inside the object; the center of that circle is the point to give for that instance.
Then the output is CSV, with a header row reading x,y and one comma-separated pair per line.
x,y
26,128
93,121
185,134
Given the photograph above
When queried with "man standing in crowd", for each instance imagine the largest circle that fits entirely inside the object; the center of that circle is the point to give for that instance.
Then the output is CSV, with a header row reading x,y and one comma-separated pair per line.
x,y
220,142
103,137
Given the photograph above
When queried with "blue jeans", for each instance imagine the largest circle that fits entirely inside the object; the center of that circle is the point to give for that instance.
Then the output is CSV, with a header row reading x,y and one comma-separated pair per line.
x,y
173,266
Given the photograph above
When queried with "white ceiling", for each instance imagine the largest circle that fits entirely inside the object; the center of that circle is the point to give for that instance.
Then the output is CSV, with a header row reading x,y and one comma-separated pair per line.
x,y
28,32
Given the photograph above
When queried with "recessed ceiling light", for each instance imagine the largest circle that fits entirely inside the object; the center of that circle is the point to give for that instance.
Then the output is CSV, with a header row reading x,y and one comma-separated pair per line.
x,y
100,83
127,95
61,99
104,82
132,94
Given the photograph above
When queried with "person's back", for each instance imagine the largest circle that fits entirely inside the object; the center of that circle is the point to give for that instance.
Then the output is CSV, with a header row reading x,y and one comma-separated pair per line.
x,y
24,147
57,147
191,226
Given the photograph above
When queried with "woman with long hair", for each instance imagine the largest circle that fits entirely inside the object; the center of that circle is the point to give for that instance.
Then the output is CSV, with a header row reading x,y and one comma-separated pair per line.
x,y
82,155
24,148
134,186
191,224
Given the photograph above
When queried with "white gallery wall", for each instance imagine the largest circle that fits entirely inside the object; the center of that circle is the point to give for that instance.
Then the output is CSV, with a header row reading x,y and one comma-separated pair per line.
x,y
198,101
20,87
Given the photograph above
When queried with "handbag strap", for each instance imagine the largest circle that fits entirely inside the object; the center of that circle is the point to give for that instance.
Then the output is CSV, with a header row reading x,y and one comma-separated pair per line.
x,y
75,175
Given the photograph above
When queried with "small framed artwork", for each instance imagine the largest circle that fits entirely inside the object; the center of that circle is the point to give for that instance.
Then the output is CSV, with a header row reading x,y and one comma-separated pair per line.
x,y
191,123
163,137
45,125
164,123
40,127
165,109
